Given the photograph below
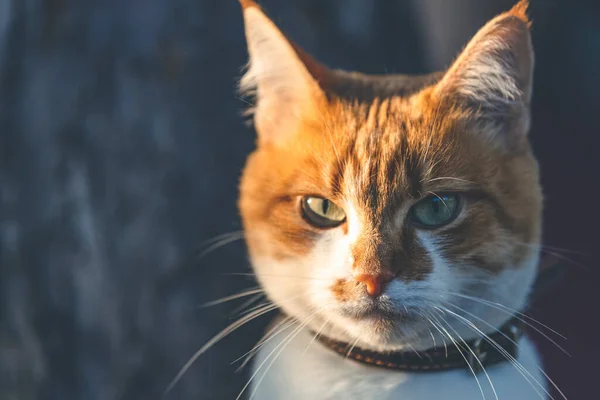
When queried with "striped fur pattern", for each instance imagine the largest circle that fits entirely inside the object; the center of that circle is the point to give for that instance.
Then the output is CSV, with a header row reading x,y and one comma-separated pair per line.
x,y
375,146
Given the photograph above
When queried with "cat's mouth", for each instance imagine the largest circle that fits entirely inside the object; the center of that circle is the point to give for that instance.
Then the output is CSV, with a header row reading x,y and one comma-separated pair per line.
x,y
377,311
375,315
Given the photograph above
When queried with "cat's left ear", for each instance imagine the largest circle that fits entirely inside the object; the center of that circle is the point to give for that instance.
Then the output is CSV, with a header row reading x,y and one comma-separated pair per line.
x,y
284,79
494,73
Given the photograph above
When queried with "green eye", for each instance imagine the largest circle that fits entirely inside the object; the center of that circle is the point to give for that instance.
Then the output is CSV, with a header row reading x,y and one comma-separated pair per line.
x,y
322,213
436,211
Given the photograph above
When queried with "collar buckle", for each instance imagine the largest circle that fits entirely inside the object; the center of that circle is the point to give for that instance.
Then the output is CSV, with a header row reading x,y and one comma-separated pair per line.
x,y
477,355
487,351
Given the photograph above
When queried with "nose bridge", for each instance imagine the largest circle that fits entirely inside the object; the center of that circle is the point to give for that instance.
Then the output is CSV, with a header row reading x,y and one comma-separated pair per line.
x,y
374,264
372,255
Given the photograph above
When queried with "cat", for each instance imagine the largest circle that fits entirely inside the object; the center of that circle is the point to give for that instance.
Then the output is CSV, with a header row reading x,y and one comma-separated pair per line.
x,y
392,213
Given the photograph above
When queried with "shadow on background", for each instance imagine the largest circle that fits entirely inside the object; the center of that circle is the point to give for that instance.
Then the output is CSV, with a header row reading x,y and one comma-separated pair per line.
x,y
121,143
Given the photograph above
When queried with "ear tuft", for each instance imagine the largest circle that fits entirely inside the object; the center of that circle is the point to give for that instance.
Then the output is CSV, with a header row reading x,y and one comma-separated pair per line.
x,y
519,10
248,83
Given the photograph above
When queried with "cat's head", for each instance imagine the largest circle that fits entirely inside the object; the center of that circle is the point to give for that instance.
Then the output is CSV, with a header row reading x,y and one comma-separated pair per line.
x,y
372,203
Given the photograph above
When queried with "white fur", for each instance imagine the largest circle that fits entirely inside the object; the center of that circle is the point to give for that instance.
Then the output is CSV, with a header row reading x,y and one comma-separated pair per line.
x,y
306,370
302,287
486,71
487,78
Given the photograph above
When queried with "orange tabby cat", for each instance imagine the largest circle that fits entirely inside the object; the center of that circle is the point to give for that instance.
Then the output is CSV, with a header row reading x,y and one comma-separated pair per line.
x,y
391,213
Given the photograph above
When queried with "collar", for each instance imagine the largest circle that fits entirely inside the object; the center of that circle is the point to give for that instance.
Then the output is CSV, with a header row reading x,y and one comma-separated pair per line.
x,y
477,355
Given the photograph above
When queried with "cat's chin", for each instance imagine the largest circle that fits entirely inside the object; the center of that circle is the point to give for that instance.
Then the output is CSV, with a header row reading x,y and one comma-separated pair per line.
x,y
375,314
379,333
381,329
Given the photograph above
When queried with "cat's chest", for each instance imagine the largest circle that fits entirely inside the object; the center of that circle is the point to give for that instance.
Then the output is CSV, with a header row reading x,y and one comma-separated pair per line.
x,y
304,369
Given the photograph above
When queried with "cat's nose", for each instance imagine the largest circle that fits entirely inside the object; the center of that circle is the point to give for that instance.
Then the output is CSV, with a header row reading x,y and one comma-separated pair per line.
x,y
375,282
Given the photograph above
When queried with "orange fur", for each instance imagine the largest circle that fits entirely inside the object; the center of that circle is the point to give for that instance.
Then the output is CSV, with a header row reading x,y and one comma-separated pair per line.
x,y
380,144
519,10
248,3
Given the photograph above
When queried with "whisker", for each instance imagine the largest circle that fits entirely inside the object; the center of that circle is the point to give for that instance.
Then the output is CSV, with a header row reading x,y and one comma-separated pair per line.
x,y
232,297
240,274
352,347
447,178
220,237
505,336
474,356
522,370
554,385
565,258
249,310
267,337
263,340
555,248
441,333
285,342
244,101
517,316
555,252
415,351
563,250
273,276
280,352
243,308
230,328
432,338
219,244
442,200
438,327
316,335
280,301
509,310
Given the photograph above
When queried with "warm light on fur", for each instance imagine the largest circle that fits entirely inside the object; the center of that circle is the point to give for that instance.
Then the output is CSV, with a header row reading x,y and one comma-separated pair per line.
x,y
375,146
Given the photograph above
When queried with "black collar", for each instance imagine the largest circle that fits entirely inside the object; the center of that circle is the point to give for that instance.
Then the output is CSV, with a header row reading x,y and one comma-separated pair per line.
x,y
480,353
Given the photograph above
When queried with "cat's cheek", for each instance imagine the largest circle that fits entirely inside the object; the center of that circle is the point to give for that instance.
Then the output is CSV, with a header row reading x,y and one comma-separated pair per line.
x,y
442,278
331,263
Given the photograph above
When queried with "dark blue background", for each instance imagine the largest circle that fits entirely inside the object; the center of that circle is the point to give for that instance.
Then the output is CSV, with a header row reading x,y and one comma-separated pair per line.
x,y
121,143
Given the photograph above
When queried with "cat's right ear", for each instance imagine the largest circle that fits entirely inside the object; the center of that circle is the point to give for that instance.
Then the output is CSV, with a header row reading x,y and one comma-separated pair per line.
x,y
281,77
493,75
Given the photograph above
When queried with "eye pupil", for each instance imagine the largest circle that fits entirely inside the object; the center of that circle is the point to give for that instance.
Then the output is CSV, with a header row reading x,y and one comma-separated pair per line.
x,y
435,204
321,212
325,206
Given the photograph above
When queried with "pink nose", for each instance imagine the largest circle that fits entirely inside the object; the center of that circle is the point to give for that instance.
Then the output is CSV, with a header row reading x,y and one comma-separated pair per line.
x,y
375,282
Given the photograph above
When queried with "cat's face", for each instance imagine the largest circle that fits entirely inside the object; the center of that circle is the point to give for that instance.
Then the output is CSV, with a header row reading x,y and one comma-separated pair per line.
x,y
373,204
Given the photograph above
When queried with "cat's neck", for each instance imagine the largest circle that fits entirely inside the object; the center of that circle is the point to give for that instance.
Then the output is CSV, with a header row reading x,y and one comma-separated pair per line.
x,y
442,332
294,366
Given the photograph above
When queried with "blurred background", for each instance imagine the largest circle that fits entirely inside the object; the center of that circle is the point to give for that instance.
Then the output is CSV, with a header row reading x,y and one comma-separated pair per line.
x,y
121,144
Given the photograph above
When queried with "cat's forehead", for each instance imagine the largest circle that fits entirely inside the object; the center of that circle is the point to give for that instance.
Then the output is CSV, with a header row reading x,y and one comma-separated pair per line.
x,y
380,155
392,148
